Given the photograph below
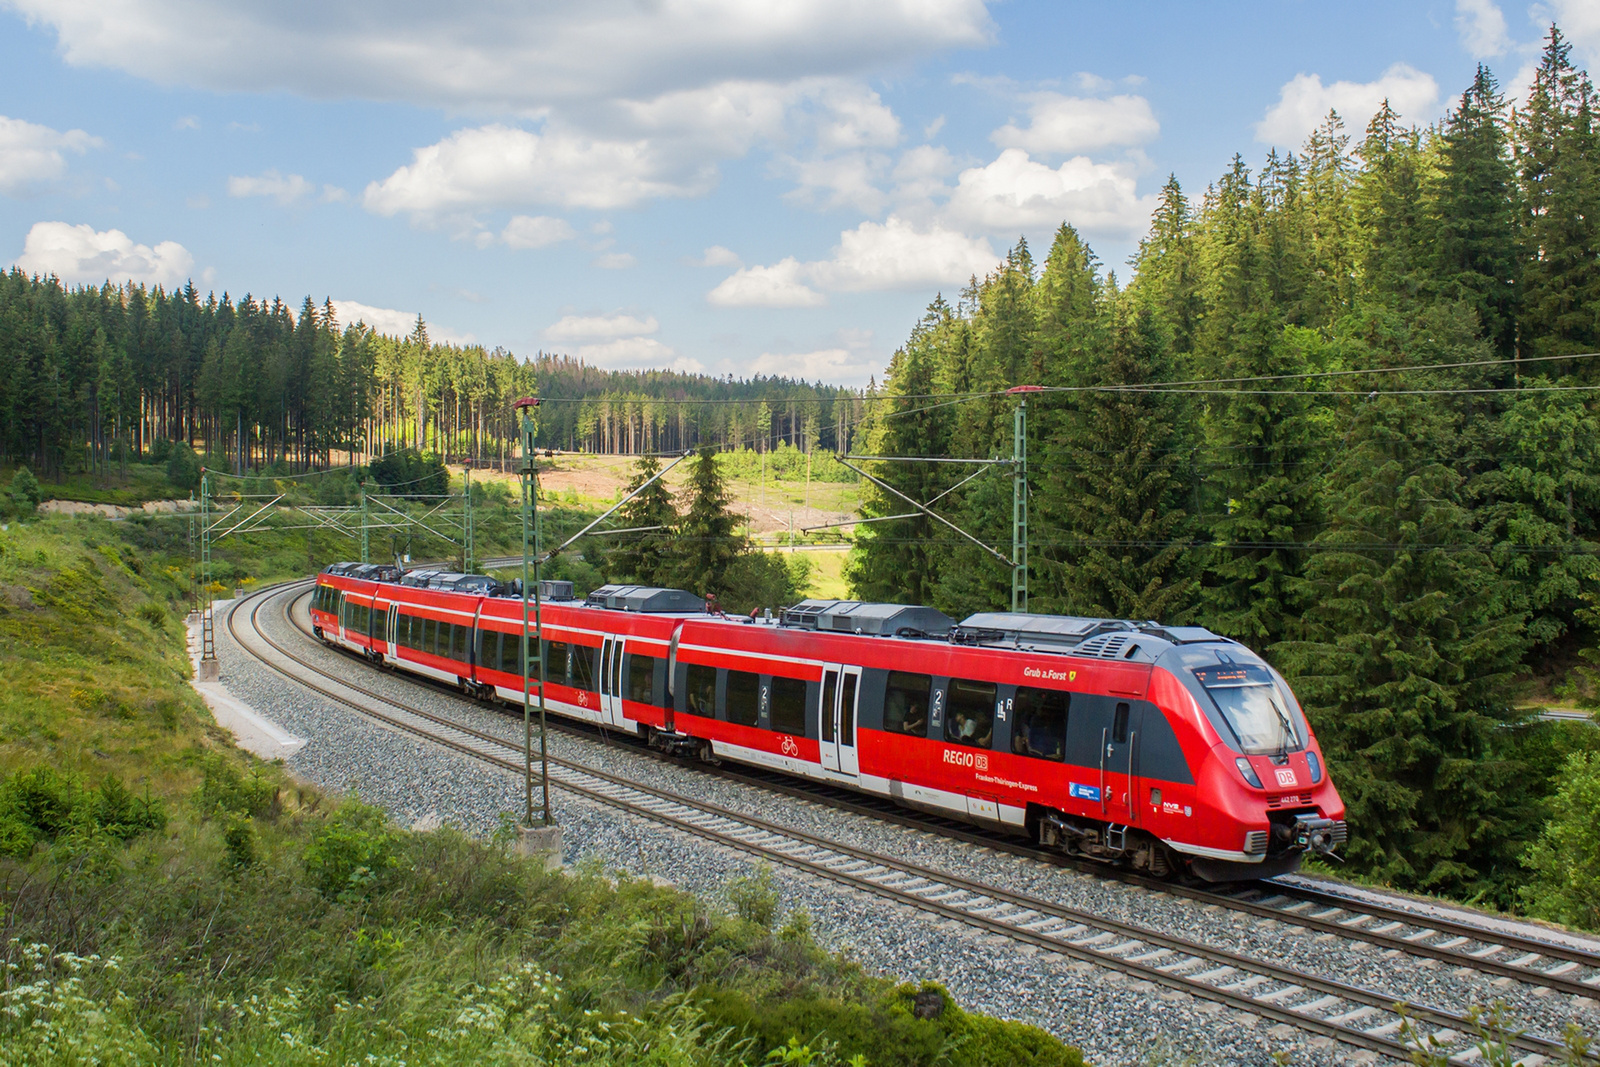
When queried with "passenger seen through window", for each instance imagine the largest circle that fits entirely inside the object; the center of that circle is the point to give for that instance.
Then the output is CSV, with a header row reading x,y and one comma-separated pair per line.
x,y
970,718
1039,726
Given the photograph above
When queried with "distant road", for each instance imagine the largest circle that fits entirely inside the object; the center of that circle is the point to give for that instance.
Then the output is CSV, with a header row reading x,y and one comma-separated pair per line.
x,y
1567,715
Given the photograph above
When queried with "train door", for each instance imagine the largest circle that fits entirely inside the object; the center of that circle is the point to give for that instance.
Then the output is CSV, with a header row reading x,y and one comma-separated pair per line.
x,y
841,691
611,680
1121,764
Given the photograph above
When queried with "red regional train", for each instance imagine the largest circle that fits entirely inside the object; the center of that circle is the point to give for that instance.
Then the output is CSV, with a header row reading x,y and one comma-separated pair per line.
x,y
1166,748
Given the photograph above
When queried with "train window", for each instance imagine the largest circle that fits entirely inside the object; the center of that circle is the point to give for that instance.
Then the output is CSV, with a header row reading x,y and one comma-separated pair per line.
x,y
830,682
847,710
905,703
969,718
581,667
744,698
700,690
1119,725
489,649
555,661
459,636
787,706
430,635
641,678
511,653
1039,727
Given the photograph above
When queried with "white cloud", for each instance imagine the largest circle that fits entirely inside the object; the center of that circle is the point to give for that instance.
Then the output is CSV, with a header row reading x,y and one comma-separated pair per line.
x,y
332,194
600,327
718,256
857,118
894,254
1482,26
777,286
1304,102
83,254
284,188
395,323
499,56
838,365
843,181
536,231
502,165
187,122
630,352
31,155
1067,125
897,255
615,261
1017,193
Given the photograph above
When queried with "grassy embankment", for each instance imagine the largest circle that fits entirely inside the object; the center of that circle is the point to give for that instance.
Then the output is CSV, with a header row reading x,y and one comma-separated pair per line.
x,y
167,900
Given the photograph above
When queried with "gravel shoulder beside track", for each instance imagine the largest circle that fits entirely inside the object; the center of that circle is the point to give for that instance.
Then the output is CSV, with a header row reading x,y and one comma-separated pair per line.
x,y
1115,1019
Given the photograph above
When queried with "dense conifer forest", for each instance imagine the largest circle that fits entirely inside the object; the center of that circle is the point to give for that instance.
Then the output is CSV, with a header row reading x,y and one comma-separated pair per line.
x,y
89,376
1344,412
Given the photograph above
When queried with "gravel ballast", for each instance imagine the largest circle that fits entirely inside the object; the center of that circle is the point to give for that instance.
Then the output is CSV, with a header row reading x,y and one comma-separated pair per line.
x,y
1114,1018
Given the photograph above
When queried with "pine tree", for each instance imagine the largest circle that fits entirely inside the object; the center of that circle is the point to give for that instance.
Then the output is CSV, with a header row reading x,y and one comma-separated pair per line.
x,y
1476,259
645,558
707,536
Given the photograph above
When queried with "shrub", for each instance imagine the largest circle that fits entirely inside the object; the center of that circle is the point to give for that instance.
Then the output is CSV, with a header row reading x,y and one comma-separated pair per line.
x,y
1566,859
223,790
39,805
753,897
183,467
910,1026
352,853
25,492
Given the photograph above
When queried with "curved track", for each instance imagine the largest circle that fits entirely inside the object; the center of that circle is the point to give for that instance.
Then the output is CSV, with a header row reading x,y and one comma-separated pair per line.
x,y
1356,1016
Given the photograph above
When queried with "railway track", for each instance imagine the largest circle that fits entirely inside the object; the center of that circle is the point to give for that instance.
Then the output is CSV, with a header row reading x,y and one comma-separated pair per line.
x,y
1365,1018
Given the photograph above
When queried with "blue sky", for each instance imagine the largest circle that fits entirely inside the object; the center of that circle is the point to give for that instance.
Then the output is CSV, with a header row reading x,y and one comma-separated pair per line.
x,y
771,186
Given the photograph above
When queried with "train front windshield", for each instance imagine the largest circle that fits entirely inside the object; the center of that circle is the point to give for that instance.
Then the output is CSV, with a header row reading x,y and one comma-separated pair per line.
x,y
1255,709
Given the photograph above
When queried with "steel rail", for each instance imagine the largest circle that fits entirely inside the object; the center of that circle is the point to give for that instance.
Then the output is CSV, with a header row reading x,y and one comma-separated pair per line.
x,y
1349,926
1094,948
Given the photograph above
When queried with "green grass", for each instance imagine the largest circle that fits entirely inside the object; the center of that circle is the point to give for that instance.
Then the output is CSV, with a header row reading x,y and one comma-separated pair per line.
x,y
168,900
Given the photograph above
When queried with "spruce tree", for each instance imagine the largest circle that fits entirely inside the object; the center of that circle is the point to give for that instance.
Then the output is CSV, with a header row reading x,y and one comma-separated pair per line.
x,y
1260,502
1003,353
1116,530
1412,641
1166,271
707,539
644,558
1558,158
1476,257
900,559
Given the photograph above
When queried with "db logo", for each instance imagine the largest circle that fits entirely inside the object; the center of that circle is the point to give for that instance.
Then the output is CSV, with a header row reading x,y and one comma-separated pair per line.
x,y
1285,775
788,746
981,763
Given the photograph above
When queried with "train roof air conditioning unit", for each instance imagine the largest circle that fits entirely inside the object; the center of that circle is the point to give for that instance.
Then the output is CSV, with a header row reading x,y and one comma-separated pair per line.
x,y
645,598
875,620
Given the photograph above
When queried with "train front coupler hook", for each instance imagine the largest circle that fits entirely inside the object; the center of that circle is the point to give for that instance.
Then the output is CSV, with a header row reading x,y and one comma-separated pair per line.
x,y
1318,836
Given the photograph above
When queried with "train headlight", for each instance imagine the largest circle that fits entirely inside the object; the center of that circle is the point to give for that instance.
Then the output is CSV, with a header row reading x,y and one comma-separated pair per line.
x,y
1316,767
1248,771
